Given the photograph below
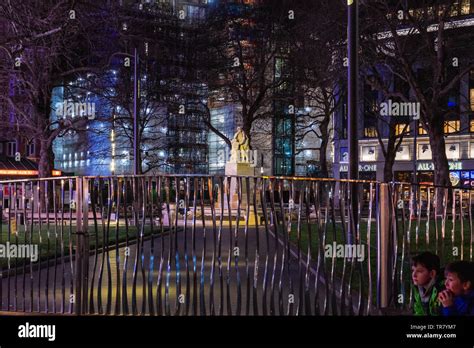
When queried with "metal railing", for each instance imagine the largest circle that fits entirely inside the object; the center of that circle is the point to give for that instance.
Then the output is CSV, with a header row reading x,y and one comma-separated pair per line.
x,y
215,245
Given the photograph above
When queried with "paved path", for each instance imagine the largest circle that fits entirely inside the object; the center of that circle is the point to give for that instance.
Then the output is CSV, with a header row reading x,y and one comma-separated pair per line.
x,y
266,282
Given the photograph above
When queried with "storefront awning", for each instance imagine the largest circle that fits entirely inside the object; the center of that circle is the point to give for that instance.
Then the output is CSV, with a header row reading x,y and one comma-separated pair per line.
x,y
9,167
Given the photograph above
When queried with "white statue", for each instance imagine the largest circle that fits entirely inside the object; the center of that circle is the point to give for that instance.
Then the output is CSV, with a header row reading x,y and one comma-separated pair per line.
x,y
240,147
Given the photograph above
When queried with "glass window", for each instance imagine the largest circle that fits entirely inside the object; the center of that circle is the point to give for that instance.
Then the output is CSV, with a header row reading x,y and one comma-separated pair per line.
x,y
30,151
452,126
421,130
370,132
11,148
471,89
424,152
452,151
465,7
368,153
402,128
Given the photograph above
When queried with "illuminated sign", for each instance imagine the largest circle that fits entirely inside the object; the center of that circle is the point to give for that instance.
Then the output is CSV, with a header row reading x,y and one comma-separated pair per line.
x,y
362,168
16,172
429,166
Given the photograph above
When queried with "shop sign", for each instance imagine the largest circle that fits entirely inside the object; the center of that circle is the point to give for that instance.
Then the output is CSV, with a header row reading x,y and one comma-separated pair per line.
x,y
362,168
429,166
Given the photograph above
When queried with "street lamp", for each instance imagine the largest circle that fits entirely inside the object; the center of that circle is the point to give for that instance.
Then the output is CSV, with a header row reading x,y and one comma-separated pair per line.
x,y
353,74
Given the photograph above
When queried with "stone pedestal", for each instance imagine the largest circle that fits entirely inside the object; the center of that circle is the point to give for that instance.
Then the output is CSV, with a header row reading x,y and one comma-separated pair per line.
x,y
238,169
233,170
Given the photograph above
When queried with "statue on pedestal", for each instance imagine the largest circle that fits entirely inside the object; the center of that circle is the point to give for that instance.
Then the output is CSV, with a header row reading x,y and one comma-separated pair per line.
x,y
240,147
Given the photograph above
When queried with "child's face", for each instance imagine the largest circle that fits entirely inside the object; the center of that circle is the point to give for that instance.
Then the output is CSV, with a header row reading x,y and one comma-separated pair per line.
x,y
421,276
455,285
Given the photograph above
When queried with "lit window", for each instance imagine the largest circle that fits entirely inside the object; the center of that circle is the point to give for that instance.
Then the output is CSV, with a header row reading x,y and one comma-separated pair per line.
x,y
424,152
368,153
465,7
370,132
452,126
422,131
402,128
452,151
471,89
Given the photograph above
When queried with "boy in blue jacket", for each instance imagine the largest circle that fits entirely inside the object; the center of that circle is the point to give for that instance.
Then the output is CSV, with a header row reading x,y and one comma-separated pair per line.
x,y
458,298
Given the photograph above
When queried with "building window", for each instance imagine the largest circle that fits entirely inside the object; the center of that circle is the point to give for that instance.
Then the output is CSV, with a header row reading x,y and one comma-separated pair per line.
x,y
465,7
30,150
370,132
402,128
471,125
424,152
368,153
11,148
421,130
452,126
403,153
452,151
471,89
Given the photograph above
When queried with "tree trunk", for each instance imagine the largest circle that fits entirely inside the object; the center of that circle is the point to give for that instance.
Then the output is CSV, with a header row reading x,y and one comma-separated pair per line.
x,y
46,160
438,150
323,150
388,167
440,162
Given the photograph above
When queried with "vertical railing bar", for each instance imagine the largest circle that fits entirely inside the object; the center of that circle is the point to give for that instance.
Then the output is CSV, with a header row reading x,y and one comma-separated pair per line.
x,y
286,261
301,201
193,242
140,242
202,302
116,203
274,227
176,249
78,255
229,255
344,284
369,246
236,250
38,188
246,234
47,185
263,199
151,266
159,299
210,183
219,244
93,196
307,293
170,240
257,247
185,231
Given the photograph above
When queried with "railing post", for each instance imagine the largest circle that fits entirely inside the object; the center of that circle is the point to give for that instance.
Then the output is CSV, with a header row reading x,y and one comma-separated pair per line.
x,y
383,248
81,257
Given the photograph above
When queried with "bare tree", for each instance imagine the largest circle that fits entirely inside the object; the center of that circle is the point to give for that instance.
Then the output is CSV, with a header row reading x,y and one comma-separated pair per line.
x,y
46,44
317,57
240,58
412,42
